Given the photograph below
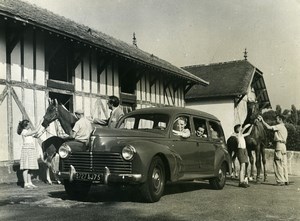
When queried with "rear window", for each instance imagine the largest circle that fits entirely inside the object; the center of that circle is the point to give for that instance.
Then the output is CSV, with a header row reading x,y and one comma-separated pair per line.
x,y
145,122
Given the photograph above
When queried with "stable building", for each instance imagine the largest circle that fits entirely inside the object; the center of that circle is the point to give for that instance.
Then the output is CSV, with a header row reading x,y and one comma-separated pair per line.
x,y
231,86
43,55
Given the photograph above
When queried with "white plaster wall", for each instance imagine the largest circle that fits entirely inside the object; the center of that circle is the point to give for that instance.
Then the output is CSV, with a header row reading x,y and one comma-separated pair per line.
x,y
2,54
222,109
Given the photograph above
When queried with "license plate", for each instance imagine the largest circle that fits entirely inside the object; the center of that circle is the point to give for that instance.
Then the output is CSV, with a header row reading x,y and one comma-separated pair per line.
x,y
88,176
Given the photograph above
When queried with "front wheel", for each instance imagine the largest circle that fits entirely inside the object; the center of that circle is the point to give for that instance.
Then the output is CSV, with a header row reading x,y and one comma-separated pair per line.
x,y
218,182
77,189
154,186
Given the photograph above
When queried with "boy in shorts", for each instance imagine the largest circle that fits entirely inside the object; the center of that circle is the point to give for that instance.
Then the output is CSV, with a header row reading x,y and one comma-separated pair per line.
x,y
242,151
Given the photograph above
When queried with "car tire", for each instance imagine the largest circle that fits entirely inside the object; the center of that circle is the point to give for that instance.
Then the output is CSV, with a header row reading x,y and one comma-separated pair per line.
x,y
77,189
218,182
153,188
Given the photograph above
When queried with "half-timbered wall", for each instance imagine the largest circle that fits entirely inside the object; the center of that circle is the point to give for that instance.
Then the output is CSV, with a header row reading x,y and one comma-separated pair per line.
x,y
25,84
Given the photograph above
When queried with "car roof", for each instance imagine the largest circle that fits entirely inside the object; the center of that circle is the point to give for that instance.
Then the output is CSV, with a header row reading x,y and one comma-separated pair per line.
x,y
173,111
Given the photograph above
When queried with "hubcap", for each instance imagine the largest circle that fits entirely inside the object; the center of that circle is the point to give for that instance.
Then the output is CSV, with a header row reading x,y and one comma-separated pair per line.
x,y
156,179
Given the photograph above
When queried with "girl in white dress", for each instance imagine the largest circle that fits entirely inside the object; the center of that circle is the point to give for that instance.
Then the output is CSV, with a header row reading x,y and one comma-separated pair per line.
x,y
29,159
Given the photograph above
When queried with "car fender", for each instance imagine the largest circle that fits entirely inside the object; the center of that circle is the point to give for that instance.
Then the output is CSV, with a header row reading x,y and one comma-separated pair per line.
x,y
146,150
222,156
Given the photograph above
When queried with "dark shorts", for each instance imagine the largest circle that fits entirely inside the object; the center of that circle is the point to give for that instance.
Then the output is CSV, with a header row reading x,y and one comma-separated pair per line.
x,y
242,155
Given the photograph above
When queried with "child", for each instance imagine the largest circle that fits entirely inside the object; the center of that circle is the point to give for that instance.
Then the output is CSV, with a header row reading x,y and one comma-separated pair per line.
x,y
242,151
28,159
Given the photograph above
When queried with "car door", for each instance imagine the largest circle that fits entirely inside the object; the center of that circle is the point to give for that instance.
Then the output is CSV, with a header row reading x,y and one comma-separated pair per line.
x,y
205,146
186,148
217,137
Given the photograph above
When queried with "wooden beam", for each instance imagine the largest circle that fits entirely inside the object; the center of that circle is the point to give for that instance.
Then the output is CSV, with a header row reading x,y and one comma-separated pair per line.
x,y
3,94
15,38
239,100
188,87
261,92
101,67
51,54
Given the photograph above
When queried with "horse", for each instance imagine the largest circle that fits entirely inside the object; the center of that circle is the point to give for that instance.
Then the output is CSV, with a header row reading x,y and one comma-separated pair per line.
x,y
256,142
55,111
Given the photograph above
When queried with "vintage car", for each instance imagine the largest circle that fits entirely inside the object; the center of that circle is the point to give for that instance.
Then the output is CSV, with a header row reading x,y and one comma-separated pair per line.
x,y
146,150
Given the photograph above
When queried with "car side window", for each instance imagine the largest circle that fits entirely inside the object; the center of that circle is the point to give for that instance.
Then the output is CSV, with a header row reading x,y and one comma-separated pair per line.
x,y
200,128
181,127
215,130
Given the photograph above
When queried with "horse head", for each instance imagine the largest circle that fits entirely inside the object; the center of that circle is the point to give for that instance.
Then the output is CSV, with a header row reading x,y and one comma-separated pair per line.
x,y
253,112
51,113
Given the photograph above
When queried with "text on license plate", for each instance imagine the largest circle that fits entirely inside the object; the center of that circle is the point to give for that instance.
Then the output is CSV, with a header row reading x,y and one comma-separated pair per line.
x,y
88,176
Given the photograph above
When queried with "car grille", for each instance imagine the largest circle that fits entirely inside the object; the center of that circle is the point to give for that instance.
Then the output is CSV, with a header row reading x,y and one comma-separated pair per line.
x,y
96,162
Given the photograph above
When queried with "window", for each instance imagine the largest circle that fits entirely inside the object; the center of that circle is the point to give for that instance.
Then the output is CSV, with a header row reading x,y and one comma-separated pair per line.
x,y
215,130
153,122
200,128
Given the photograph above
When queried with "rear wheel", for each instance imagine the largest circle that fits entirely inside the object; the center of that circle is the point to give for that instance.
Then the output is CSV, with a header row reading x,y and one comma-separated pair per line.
x,y
77,189
218,182
154,186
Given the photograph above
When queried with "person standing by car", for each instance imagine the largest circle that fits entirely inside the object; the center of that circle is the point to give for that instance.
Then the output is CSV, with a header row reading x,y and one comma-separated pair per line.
x,y
115,114
242,151
280,158
82,128
179,127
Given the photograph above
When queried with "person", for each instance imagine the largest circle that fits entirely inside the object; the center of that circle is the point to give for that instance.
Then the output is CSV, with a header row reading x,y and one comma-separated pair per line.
x,y
115,114
280,157
200,132
214,134
179,127
82,129
29,159
242,151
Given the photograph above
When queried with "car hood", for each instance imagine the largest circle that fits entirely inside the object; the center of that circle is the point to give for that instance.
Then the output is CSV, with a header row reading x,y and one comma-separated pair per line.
x,y
114,132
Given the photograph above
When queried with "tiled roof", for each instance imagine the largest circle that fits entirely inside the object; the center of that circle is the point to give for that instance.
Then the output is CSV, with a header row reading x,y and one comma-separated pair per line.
x,y
31,14
228,79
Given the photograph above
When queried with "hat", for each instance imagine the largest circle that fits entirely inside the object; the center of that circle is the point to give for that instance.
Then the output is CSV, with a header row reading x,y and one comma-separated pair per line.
x,y
79,111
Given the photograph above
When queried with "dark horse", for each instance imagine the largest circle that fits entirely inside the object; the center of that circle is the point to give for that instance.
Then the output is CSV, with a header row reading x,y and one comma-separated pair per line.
x,y
256,142
56,111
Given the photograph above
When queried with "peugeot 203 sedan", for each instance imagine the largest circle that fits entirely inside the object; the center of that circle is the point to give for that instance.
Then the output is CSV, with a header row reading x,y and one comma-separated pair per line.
x,y
149,148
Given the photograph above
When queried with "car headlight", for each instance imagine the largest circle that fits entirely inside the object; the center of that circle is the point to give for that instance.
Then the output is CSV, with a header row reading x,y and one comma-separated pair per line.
x,y
64,151
128,152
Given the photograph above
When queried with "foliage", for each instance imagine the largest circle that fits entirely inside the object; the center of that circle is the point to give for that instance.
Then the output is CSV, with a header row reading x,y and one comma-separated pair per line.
x,y
292,123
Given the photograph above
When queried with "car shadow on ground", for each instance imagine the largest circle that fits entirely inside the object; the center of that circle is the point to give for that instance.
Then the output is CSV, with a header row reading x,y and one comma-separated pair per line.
x,y
129,194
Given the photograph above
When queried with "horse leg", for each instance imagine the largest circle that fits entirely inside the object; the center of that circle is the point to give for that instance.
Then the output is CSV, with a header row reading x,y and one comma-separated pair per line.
x,y
235,173
263,155
258,164
251,159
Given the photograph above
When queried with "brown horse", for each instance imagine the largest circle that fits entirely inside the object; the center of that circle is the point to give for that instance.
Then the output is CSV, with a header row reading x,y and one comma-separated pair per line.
x,y
56,111
256,142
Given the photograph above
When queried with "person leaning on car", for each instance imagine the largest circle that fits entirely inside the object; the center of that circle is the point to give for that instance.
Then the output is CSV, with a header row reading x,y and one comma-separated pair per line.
x,y
82,128
179,127
115,114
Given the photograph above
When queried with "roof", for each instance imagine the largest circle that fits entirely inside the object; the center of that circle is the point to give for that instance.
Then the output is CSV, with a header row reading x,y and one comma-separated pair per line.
x,y
228,79
47,20
173,110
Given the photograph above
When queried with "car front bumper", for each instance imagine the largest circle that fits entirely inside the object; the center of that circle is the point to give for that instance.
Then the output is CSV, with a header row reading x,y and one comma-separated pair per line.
x,y
103,178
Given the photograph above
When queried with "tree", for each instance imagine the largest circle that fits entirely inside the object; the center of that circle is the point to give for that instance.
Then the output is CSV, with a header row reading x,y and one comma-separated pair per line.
x,y
294,115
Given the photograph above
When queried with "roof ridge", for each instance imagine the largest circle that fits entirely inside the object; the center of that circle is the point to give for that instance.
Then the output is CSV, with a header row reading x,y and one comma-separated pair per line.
x,y
210,64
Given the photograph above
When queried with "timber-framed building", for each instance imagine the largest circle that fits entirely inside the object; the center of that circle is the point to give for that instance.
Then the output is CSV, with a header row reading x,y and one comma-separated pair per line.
x,y
43,55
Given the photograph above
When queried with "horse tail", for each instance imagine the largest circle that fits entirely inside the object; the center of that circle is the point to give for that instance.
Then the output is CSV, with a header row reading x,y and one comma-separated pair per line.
x,y
232,144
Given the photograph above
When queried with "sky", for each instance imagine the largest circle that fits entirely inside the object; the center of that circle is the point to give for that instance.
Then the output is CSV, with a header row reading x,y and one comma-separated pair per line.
x,y
193,32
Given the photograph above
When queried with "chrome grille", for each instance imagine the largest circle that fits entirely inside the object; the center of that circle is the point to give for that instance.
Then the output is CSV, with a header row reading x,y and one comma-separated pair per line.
x,y
96,162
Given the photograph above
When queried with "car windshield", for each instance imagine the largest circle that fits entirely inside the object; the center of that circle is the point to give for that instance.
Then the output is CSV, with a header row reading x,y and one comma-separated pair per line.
x,y
152,122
